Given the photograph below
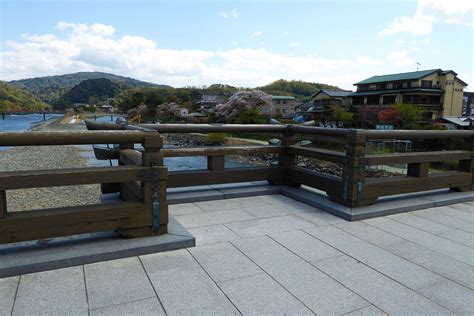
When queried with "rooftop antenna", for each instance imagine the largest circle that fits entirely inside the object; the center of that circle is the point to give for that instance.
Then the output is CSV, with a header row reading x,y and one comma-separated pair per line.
x,y
417,66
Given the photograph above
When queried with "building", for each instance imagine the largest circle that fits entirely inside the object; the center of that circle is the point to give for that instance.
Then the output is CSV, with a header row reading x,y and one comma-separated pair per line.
x,y
325,97
283,106
468,104
438,92
208,102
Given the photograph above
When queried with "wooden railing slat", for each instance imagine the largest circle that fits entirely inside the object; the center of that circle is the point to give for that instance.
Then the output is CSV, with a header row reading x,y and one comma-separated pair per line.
x,y
59,177
416,157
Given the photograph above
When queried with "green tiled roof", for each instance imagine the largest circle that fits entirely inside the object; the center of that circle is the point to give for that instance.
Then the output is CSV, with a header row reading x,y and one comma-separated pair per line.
x,y
375,92
397,77
282,97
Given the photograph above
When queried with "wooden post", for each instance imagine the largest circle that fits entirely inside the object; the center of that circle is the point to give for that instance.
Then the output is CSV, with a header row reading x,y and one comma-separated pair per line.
x,y
143,224
419,170
215,163
467,166
3,204
353,177
286,160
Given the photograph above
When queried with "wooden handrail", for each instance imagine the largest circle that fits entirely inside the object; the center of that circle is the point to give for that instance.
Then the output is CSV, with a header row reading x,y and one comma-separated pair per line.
x,y
414,157
73,138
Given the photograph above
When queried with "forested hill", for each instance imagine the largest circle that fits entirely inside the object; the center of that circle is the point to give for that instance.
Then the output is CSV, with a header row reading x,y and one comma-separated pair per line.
x,y
51,88
15,99
89,91
301,90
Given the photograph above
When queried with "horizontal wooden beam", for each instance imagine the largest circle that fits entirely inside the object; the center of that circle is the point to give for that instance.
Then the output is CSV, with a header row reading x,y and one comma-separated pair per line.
x,y
318,180
221,151
59,177
233,175
321,154
48,223
414,157
415,134
73,138
398,185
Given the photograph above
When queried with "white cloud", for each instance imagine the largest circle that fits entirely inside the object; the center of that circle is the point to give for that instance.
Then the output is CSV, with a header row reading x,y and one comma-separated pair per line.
x,y
400,59
83,47
257,33
433,11
293,44
234,13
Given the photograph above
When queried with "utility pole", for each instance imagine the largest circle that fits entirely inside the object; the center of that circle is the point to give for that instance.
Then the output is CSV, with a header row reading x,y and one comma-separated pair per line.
x,y
417,66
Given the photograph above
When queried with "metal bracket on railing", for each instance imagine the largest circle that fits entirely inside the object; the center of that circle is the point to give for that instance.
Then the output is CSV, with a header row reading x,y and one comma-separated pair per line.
x,y
155,200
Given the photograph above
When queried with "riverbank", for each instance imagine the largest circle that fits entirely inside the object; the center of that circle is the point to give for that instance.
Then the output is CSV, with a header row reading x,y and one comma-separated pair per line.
x,y
47,157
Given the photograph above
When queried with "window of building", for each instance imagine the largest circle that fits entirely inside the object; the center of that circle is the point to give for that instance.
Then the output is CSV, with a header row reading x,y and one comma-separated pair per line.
x,y
373,100
388,99
285,111
426,83
358,100
397,85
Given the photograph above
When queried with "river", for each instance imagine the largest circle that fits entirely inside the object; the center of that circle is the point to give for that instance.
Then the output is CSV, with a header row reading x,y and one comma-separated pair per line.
x,y
24,122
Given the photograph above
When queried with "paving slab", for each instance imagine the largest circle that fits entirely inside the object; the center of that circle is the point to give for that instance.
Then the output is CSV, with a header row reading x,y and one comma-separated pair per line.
x,y
183,286
276,199
116,282
313,288
437,262
305,245
465,207
399,269
428,240
8,288
447,197
380,290
212,234
421,223
213,218
369,233
145,307
58,292
261,295
451,295
183,209
367,311
58,253
321,218
458,212
273,210
447,220
224,262
264,226
229,204
459,236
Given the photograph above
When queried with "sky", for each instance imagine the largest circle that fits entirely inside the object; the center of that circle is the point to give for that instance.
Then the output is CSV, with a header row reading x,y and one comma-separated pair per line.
x,y
241,43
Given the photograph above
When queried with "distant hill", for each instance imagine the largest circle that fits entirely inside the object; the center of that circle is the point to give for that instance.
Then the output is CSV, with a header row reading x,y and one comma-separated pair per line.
x,y
51,88
89,91
301,90
15,99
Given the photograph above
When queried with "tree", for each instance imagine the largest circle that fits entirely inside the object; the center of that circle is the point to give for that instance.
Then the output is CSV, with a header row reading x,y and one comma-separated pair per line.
x,y
410,115
338,114
389,116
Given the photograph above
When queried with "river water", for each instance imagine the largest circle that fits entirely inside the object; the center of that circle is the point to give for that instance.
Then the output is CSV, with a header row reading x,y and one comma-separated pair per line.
x,y
24,122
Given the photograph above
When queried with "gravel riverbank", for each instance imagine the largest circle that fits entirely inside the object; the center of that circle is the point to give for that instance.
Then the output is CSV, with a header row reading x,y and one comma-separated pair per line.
x,y
47,157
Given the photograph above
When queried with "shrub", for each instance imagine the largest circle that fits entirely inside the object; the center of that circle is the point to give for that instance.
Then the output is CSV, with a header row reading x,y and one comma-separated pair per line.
x,y
217,138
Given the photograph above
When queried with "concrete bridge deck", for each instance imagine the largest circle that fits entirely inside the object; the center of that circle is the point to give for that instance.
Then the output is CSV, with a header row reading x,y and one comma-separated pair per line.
x,y
273,255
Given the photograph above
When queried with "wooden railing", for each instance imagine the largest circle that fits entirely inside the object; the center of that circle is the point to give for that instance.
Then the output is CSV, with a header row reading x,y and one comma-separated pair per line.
x,y
142,179
143,214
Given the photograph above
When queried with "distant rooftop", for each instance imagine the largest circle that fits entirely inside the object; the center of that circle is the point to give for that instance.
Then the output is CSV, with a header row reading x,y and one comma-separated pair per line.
x,y
401,76
334,93
282,97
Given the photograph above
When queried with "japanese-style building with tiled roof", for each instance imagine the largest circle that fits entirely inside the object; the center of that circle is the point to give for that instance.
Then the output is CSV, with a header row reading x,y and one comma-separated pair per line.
x,y
438,92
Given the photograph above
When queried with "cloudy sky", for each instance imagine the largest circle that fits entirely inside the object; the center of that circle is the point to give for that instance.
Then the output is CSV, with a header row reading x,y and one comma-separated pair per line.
x,y
242,43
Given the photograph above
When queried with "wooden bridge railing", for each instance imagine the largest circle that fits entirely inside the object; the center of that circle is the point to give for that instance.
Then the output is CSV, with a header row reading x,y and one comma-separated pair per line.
x,y
144,214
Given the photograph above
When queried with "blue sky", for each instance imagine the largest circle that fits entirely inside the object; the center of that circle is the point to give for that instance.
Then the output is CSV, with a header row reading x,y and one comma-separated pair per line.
x,y
243,43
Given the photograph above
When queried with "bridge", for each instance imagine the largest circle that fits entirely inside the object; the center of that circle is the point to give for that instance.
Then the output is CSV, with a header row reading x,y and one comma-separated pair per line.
x,y
4,114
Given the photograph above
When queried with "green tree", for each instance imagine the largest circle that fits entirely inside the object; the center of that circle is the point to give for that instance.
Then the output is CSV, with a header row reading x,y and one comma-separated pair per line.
x,y
251,116
410,115
339,114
